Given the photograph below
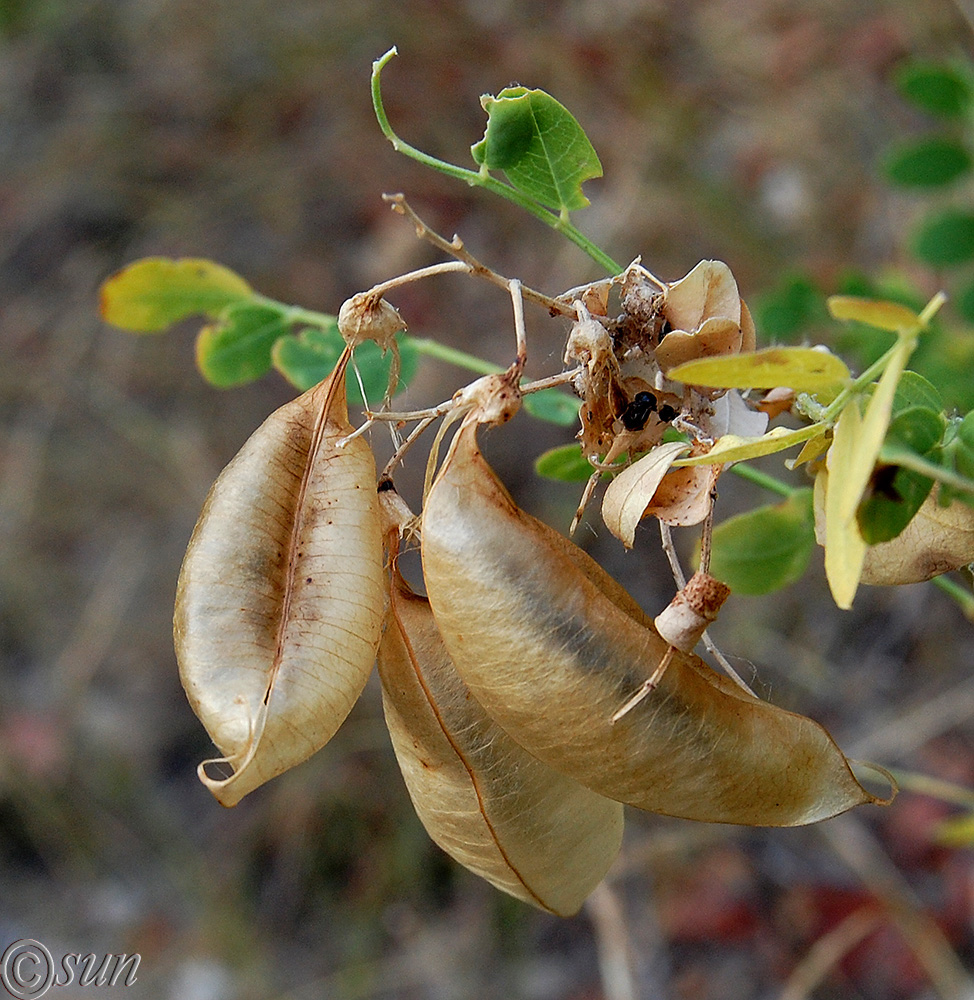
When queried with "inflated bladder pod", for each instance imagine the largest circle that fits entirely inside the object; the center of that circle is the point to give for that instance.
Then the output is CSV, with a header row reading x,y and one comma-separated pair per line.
x,y
494,808
552,647
281,592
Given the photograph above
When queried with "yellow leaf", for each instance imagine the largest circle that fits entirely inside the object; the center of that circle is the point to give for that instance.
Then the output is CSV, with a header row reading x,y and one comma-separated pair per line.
x,y
813,448
845,549
733,448
805,369
156,292
874,312
878,412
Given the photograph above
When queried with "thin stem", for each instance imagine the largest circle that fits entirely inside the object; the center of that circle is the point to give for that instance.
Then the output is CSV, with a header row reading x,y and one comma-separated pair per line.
x,y
706,536
520,333
960,594
418,274
666,537
547,383
763,479
456,248
476,179
405,446
434,349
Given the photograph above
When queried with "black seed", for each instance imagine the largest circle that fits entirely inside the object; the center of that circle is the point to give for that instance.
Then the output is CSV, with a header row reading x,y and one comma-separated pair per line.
x,y
667,413
635,415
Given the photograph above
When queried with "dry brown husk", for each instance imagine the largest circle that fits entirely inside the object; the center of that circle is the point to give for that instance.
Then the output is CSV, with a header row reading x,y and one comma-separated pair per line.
x,y
494,808
280,597
552,647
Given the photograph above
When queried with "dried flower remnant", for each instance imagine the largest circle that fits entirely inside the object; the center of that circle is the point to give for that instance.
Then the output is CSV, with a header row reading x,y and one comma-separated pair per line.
x,y
707,315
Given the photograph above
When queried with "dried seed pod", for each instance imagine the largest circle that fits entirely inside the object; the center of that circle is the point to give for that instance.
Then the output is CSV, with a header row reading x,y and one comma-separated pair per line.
x,y
280,597
552,648
494,808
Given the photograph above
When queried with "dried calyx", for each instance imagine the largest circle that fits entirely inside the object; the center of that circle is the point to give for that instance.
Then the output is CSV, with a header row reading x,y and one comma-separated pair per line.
x,y
368,316
628,401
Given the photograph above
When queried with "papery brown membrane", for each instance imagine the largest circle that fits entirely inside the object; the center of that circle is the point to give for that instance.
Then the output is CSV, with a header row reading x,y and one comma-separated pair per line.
x,y
685,496
937,540
552,648
631,491
494,808
708,316
280,596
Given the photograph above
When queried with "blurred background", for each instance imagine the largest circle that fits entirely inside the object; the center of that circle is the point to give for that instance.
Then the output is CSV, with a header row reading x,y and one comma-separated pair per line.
x,y
749,131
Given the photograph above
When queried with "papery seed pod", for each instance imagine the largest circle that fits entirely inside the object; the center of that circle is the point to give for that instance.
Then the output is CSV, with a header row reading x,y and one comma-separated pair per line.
x,y
280,596
494,808
552,648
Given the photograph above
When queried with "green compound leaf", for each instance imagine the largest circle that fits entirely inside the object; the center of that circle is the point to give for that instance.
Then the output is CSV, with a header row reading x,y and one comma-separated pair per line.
x,y
945,239
930,162
765,549
553,406
236,349
155,292
805,369
306,358
941,90
565,464
540,147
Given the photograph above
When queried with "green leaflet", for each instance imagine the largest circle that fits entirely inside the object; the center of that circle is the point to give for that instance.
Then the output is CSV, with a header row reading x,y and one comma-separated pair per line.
x,y
565,464
236,349
553,406
945,239
540,147
926,163
304,359
941,90
767,548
